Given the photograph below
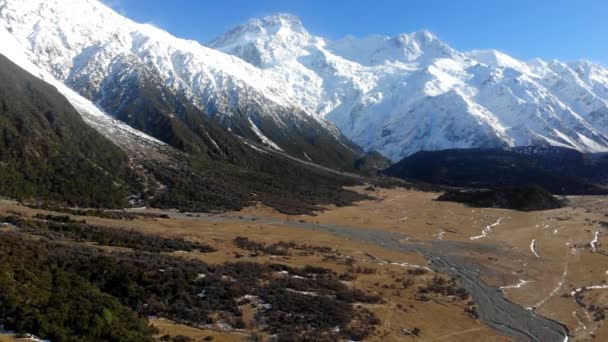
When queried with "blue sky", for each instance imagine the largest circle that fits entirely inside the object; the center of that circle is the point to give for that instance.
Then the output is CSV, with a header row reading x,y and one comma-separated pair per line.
x,y
549,29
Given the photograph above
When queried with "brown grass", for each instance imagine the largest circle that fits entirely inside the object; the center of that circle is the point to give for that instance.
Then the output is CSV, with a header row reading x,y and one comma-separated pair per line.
x,y
504,255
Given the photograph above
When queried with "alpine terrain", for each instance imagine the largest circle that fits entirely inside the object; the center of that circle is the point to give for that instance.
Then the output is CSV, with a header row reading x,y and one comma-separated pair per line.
x,y
163,85
273,185
413,92
200,164
273,82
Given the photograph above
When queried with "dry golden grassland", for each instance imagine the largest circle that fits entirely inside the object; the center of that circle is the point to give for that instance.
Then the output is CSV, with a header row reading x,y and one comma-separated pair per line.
x,y
537,258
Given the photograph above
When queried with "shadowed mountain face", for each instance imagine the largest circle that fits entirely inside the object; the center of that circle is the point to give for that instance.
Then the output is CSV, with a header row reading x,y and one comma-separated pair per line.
x,y
558,170
47,150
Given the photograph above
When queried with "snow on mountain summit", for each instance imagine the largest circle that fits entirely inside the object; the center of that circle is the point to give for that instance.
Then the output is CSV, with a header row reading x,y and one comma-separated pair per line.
x,y
377,49
498,59
394,94
414,92
265,41
154,81
79,41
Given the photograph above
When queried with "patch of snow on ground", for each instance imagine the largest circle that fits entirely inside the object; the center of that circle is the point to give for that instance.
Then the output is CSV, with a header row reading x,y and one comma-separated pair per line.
x,y
594,287
533,248
593,242
262,137
521,283
486,230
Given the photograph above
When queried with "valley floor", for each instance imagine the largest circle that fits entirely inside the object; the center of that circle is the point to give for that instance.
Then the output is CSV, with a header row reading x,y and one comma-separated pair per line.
x,y
551,263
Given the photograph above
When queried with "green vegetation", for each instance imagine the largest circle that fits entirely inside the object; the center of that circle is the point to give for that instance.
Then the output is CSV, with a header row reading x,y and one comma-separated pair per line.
x,y
289,187
48,152
559,170
68,291
65,228
37,295
109,214
49,155
524,198
277,248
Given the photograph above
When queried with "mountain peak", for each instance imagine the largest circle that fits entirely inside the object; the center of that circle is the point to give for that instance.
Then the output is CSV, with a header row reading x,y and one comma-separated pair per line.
x,y
498,59
264,41
270,25
425,35
279,19
378,49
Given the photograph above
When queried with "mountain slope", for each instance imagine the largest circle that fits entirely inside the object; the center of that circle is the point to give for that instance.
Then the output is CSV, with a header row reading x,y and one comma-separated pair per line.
x,y
282,86
166,177
413,92
47,151
559,170
120,65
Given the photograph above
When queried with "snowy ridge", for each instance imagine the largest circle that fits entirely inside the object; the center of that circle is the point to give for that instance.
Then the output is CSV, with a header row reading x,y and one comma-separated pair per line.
x,y
118,132
412,92
396,95
89,47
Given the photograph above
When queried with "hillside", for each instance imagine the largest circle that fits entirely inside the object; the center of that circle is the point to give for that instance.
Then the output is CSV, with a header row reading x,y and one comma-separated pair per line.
x,y
558,170
47,151
162,85
51,154
524,198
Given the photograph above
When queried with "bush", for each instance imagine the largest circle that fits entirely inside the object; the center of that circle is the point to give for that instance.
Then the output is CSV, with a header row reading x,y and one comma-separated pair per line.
x,y
78,231
91,294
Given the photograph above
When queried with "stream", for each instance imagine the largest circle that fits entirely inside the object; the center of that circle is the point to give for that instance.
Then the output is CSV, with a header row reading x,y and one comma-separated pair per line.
x,y
493,308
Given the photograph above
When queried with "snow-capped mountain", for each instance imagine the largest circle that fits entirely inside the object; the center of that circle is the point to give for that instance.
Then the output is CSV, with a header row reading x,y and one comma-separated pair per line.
x,y
413,92
272,81
126,68
121,134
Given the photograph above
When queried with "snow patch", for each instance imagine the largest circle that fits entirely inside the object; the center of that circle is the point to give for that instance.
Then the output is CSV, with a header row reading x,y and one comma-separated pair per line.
x,y
486,230
521,283
593,242
262,137
533,248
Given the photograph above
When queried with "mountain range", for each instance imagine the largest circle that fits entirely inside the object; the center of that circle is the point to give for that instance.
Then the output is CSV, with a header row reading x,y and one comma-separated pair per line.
x,y
58,146
271,81
266,112
412,92
121,65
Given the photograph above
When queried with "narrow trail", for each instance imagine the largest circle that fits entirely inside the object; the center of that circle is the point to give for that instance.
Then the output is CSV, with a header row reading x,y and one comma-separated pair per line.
x,y
388,317
560,284
442,338
581,325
